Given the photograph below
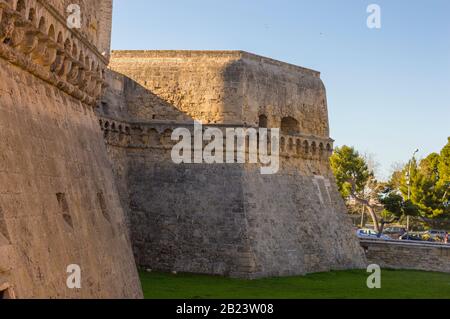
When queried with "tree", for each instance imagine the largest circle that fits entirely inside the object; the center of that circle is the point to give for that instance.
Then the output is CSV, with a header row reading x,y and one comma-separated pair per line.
x,y
429,185
395,206
444,177
396,176
444,163
418,189
356,181
425,192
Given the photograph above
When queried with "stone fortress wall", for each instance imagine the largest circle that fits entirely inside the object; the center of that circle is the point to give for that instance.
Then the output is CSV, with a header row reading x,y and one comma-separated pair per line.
x,y
407,255
225,219
61,203
58,201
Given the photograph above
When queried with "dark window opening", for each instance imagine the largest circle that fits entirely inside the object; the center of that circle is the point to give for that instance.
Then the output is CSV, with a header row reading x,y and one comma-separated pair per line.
x,y
32,15
263,121
289,126
42,25
64,208
105,108
6,292
20,7
62,201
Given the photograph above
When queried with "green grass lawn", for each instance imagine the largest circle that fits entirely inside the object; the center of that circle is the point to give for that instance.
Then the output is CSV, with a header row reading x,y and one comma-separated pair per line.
x,y
337,284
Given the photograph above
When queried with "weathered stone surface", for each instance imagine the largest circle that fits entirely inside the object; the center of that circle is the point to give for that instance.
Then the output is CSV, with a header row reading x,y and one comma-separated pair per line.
x,y
407,255
225,219
231,87
58,201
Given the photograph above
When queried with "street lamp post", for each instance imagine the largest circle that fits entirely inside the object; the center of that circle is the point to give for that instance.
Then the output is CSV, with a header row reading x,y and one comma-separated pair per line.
x,y
409,184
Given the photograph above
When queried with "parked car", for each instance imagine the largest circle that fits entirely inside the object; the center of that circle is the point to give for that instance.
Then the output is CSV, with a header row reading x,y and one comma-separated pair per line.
x,y
370,233
417,237
435,235
394,232
411,236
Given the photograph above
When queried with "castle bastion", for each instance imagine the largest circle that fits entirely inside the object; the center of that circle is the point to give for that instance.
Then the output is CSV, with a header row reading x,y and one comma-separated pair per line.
x,y
225,219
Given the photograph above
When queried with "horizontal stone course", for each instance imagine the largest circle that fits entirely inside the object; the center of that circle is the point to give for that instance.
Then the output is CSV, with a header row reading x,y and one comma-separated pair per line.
x,y
407,255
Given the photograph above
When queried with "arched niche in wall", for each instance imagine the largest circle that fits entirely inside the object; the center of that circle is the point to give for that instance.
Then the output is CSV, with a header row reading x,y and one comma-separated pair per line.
x,y
262,121
289,126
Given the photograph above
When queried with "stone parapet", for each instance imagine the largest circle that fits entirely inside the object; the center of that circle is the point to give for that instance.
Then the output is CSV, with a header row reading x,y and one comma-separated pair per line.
x,y
167,55
35,37
407,255
158,135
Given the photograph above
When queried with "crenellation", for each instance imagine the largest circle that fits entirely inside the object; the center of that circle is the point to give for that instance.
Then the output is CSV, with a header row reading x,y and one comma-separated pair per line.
x,y
151,134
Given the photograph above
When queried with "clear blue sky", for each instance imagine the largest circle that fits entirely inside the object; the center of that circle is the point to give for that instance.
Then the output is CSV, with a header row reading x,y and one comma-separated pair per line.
x,y
388,89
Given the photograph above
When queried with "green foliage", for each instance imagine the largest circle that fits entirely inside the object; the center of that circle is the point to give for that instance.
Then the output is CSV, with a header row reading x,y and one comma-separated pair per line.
x,y
427,194
429,186
396,180
410,170
444,166
410,209
444,177
424,189
349,167
395,205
